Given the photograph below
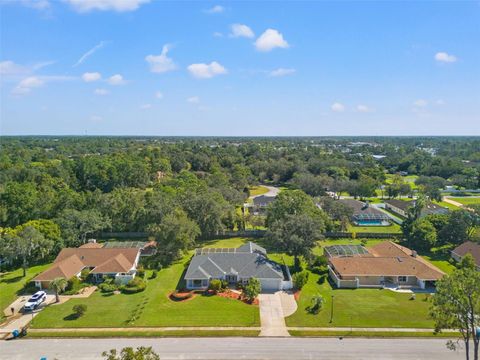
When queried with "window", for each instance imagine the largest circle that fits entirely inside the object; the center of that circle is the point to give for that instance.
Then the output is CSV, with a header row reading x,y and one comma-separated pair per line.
x,y
402,279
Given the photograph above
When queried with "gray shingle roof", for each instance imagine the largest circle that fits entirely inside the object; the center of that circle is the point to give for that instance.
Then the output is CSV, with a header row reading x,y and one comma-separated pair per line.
x,y
247,261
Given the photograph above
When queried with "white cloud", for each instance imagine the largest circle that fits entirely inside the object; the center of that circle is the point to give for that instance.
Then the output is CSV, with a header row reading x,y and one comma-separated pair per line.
x,y
282,72
421,103
364,108
89,53
159,95
26,85
193,100
8,67
145,106
36,4
338,107
270,40
217,34
240,30
445,57
12,69
101,92
161,63
116,79
217,9
206,71
91,76
83,6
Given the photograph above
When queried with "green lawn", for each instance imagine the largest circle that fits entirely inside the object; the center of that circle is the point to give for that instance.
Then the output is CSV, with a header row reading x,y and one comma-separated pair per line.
x,y
360,308
258,190
447,205
393,228
153,307
11,283
467,200
408,179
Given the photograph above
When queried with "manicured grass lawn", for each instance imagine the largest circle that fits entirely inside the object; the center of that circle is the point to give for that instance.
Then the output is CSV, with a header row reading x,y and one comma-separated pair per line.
x,y
373,334
152,307
393,228
467,200
360,308
408,179
142,333
258,190
447,205
11,283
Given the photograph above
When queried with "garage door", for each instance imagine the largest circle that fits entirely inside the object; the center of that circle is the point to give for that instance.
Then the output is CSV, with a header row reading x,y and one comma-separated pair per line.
x,y
270,284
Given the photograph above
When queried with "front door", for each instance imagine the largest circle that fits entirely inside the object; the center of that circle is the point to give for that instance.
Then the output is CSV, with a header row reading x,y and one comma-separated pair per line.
x,y
231,279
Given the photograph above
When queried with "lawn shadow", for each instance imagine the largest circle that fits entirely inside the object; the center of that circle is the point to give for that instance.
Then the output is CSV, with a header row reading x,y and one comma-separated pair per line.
x,y
12,280
71,317
181,284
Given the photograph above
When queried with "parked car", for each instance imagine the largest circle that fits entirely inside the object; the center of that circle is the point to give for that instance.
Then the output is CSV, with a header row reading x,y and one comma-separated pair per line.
x,y
36,299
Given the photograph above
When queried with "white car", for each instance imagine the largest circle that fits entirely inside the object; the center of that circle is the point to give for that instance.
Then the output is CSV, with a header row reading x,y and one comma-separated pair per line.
x,y
36,299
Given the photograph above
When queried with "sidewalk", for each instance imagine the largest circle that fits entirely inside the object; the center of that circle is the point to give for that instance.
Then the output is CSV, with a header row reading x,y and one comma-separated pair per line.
x,y
408,330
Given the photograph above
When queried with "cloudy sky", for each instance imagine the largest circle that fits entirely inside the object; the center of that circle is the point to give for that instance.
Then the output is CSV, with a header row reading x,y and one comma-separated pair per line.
x,y
145,67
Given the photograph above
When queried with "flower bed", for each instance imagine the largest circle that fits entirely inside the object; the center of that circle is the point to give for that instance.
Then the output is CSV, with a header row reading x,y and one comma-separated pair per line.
x,y
181,295
232,295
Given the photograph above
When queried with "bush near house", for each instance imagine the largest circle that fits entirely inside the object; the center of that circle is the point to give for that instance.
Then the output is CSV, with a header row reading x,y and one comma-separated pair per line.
x,y
215,285
134,286
300,279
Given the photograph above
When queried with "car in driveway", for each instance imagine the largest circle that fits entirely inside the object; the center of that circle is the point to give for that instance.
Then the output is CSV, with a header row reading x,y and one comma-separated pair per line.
x,y
35,301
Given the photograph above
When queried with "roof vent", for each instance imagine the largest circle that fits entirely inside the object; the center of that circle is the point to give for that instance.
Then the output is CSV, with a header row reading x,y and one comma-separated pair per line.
x,y
92,241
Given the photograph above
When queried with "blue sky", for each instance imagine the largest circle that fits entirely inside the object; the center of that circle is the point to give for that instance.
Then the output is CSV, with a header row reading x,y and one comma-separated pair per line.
x,y
139,67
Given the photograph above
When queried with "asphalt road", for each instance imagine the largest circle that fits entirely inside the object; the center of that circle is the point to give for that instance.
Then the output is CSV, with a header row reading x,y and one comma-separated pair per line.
x,y
235,348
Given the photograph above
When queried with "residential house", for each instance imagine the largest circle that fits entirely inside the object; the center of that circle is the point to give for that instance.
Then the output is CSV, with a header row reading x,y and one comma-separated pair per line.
x,y
261,202
236,265
386,264
366,215
468,247
118,263
400,207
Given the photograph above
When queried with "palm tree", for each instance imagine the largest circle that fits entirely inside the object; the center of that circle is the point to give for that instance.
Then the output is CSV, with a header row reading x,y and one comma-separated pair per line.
x,y
58,285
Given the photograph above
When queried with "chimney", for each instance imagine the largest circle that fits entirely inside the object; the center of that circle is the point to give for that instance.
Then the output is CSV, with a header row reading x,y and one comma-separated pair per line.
x,y
414,253
92,241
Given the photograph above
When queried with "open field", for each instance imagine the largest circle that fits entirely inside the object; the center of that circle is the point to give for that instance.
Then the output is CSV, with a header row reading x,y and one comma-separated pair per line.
x,y
153,307
447,205
467,200
11,283
258,190
408,179
393,228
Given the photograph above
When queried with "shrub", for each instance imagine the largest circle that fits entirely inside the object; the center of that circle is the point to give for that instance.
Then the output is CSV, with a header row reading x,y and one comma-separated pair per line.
x,y
85,274
316,304
134,286
154,274
107,287
319,265
300,279
141,272
79,309
215,285
252,289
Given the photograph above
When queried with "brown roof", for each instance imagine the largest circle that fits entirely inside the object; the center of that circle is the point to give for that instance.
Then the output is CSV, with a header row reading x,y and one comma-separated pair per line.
x,y
401,204
469,248
389,259
385,266
359,207
71,261
66,268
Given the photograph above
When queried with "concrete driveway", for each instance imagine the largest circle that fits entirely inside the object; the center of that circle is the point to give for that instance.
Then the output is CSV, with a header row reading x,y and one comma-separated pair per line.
x,y
273,309
21,319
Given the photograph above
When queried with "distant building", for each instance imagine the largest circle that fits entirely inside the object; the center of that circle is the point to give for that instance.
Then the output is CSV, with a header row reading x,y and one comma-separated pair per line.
x,y
366,215
400,207
260,203
467,248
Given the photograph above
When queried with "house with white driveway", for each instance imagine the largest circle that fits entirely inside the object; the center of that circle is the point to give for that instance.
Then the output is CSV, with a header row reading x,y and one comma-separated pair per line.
x,y
236,265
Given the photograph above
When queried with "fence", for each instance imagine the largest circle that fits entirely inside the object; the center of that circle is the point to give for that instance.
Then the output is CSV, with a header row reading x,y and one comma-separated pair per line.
x,y
362,235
